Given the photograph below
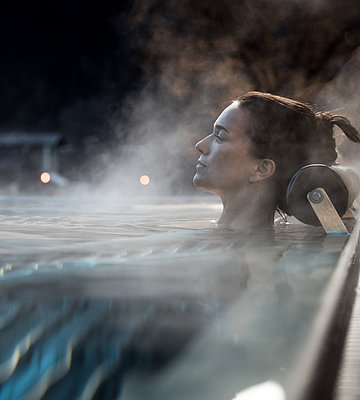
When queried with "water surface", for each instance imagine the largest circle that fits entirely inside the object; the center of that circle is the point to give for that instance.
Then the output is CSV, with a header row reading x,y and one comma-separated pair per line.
x,y
148,300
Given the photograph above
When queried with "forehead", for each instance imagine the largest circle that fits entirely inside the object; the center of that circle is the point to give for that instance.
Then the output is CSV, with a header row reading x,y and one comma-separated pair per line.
x,y
234,119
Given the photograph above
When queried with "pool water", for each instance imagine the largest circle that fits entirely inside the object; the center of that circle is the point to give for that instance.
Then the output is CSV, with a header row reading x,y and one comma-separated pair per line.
x,y
110,300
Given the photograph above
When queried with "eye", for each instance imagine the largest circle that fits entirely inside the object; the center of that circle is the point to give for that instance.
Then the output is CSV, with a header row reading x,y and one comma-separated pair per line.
x,y
218,137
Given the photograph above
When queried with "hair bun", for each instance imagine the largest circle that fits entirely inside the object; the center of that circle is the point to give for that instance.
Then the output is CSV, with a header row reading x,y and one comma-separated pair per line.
x,y
343,123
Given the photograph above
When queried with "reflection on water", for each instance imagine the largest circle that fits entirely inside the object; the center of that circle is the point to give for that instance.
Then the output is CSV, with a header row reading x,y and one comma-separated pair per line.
x,y
149,300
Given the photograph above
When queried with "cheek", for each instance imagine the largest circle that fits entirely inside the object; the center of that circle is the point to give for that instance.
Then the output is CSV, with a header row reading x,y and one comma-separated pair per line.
x,y
235,166
229,160
223,169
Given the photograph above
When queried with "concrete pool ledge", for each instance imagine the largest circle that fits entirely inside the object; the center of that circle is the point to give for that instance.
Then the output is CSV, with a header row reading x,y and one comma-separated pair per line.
x,y
314,376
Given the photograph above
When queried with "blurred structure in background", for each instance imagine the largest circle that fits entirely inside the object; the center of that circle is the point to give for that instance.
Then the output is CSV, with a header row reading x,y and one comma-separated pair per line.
x,y
28,158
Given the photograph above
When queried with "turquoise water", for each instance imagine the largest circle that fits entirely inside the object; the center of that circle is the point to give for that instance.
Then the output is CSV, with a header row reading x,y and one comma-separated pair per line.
x,y
110,300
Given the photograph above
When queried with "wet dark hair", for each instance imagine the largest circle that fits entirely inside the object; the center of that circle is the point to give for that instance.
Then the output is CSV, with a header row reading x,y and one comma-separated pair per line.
x,y
291,134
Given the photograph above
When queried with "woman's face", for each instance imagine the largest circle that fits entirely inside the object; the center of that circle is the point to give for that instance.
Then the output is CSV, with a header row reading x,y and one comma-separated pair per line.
x,y
226,160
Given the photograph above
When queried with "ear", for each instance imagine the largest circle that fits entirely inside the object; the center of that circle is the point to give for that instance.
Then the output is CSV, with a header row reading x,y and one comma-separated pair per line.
x,y
264,169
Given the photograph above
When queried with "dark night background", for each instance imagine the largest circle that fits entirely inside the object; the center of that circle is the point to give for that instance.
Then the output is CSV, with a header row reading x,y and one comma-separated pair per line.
x,y
81,67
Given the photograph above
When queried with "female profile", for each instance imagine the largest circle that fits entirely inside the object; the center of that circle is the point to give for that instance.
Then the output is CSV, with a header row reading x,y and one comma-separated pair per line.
x,y
258,143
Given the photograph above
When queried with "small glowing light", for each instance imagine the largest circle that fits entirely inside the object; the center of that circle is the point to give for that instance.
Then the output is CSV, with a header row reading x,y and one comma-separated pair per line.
x,y
45,177
144,180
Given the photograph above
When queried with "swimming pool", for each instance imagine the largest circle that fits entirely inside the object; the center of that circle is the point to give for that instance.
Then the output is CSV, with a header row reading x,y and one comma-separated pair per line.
x,y
111,300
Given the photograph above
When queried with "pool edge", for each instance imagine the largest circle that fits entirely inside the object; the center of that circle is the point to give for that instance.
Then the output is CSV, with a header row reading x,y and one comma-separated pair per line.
x,y
316,372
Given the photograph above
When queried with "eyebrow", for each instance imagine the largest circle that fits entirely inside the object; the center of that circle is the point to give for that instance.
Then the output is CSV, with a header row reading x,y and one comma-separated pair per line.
x,y
220,127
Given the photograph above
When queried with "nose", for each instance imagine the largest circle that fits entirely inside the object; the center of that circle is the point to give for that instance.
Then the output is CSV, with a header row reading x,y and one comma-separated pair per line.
x,y
202,146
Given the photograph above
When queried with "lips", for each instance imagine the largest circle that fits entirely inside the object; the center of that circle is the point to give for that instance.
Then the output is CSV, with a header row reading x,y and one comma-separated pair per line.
x,y
200,164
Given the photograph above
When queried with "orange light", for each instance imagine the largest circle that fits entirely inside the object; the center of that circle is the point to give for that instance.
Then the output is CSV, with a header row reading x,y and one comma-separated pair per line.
x,y
144,180
45,177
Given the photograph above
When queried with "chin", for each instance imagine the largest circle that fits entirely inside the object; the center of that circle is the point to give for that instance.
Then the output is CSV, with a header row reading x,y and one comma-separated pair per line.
x,y
201,184
197,181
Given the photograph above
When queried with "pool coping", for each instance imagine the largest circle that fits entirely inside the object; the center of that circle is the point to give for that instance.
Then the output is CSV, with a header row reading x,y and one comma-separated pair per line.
x,y
315,373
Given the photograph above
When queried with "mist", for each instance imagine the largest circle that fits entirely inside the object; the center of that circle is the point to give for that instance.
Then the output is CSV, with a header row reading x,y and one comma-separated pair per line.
x,y
342,96
133,96
197,58
108,288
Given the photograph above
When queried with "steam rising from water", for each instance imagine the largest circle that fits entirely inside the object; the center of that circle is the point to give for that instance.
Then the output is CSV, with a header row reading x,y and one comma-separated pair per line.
x,y
196,59
342,95
160,144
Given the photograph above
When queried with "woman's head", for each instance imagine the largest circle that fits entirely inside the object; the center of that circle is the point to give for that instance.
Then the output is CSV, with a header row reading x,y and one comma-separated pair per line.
x,y
227,156
278,136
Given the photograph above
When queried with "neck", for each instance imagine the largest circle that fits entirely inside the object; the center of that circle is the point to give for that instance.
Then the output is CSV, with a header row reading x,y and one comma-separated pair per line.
x,y
247,210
